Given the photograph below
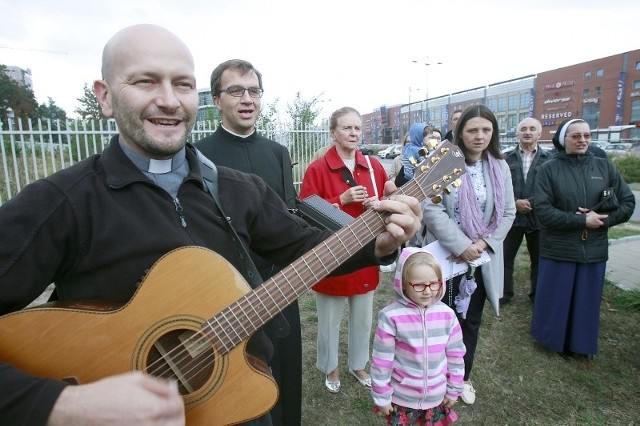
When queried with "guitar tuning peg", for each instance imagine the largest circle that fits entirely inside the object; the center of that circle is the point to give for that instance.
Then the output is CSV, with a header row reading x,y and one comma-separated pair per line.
x,y
423,152
457,183
457,171
436,187
446,178
432,144
435,159
436,199
444,150
413,161
447,190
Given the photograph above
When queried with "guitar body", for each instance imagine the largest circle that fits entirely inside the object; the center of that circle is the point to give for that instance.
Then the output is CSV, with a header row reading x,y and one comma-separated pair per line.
x,y
88,342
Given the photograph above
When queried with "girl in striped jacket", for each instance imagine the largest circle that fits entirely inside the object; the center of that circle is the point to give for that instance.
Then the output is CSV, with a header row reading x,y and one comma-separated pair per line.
x,y
417,366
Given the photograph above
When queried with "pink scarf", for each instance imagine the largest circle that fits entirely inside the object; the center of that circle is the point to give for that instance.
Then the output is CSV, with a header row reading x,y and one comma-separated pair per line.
x,y
471,218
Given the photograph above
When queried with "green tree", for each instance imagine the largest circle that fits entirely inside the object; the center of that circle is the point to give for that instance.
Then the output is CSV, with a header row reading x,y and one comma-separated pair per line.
x,y
303,113
90,107
51,111
268,116
17,97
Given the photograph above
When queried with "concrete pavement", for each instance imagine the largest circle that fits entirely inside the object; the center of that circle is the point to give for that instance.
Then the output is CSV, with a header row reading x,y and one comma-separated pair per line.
x,y
623,266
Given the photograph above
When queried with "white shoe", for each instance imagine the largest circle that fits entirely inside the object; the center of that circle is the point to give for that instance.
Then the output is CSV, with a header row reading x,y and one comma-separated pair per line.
x,y
468,393
332,386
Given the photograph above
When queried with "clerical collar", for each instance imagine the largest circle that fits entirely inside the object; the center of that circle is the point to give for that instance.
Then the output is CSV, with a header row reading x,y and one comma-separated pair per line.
x,y
236,134
151,165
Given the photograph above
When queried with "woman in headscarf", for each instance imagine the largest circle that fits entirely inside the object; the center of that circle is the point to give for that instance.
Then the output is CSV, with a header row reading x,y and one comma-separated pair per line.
x,y
575,219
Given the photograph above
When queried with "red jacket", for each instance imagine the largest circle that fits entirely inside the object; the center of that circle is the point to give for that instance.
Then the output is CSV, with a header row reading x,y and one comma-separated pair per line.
x,y
325,178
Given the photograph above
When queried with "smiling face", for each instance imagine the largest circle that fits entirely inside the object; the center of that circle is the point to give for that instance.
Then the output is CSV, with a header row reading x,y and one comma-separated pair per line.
x,y
239,115
476,136
421,273
149,88
577,138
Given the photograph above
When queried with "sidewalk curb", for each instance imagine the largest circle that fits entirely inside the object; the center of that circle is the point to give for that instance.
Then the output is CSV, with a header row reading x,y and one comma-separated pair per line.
x,y
624,239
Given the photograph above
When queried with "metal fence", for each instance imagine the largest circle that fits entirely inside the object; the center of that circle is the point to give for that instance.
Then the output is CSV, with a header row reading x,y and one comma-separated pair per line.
x,y
32,150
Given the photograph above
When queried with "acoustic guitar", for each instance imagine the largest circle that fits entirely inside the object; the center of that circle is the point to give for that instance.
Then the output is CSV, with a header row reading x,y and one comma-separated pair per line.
x,y
167,329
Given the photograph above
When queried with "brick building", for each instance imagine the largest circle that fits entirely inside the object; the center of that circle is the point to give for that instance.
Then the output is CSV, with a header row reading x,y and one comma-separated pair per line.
x,y
604,92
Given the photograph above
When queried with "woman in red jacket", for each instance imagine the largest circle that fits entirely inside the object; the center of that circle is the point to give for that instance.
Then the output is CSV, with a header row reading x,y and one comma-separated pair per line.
x,y
352,182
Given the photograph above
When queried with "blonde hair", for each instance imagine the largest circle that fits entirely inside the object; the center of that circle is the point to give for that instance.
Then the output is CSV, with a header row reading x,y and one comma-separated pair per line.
x,y
420,258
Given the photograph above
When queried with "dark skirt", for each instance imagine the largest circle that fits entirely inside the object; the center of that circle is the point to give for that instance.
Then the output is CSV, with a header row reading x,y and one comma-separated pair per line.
x,y
566,313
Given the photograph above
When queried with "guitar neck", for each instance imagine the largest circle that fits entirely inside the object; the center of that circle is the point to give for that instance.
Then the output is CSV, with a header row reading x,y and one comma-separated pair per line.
x,y
242,318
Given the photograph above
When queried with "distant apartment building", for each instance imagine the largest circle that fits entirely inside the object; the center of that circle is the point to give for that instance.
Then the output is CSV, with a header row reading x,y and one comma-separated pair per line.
x,y
19,75
604,92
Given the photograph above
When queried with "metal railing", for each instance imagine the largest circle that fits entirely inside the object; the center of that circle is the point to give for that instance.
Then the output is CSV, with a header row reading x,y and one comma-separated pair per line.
x,y
32,150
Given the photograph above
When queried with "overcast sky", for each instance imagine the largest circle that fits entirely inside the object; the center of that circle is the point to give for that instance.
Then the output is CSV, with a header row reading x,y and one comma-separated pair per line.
x,y
347,52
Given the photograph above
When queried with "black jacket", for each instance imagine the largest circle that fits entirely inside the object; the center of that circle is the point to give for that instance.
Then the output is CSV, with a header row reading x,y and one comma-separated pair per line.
x,y
565,183
95,228
523,185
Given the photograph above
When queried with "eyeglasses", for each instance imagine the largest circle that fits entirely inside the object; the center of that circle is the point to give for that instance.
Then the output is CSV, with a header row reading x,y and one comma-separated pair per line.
x,y
577,136
420,287
238,91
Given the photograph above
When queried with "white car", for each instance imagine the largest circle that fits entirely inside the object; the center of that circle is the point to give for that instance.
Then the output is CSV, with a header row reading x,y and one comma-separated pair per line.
x,y
390,152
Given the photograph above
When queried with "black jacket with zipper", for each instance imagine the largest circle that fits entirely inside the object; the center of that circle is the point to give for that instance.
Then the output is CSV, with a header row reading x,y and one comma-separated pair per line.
x,y
565,183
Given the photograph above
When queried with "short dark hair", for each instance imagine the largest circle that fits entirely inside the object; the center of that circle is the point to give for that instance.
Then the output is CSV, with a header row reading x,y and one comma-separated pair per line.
x,y
482,112
236,64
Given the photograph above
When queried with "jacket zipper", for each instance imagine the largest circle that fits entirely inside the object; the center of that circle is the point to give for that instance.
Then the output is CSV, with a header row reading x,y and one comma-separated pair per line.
x,y
180,211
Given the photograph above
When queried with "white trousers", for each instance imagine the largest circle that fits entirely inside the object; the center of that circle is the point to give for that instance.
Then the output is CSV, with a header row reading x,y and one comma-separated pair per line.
x,y
330,312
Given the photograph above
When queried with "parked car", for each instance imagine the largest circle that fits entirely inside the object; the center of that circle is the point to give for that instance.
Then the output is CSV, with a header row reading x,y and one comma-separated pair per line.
x,y
390,150
365,150
600,144
395,151
618,148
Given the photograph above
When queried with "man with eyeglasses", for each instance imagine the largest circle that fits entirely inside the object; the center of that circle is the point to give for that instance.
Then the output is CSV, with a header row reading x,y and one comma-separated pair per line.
x,y
236,87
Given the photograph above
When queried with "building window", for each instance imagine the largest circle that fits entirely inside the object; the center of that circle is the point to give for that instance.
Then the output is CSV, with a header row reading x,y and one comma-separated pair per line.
x,y
502,104
598,90
635,111
636,85
587,75
492,104
502,123
513,102
590,114
599,73
638,66
585,92
524,101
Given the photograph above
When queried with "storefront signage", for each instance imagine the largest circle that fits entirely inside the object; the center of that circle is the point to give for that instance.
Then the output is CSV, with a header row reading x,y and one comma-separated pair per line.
x,y
555,115
590,100
634,94
556,100
559,84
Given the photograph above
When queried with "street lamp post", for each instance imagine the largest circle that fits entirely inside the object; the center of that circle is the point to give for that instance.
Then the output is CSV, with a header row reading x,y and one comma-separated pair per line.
x,y
426,93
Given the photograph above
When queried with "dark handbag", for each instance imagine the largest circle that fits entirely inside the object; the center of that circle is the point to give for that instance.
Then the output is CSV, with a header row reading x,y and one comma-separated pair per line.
x,y
608,201
320,213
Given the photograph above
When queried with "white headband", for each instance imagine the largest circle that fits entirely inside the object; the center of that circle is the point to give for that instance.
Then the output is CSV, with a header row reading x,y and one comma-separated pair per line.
x,y
564,130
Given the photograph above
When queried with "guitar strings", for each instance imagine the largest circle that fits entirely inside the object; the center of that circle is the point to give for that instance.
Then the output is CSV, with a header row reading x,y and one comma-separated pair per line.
x,y
372,223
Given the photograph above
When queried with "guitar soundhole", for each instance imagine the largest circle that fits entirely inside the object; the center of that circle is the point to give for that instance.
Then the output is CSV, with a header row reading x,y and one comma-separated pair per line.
x,y
183,356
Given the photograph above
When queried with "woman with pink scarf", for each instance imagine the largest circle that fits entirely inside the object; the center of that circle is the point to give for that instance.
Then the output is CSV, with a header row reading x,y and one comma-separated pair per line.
x,y
472,219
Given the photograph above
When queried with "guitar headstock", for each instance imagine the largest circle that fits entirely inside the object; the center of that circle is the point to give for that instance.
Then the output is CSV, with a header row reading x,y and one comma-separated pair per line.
x,y
438,171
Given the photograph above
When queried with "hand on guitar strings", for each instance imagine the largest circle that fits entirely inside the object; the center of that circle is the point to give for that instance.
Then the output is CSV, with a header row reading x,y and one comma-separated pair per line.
x,y
403,222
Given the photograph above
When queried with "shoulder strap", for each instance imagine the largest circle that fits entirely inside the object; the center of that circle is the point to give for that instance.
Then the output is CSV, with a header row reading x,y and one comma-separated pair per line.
x,y
287,179
373,178
280,326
